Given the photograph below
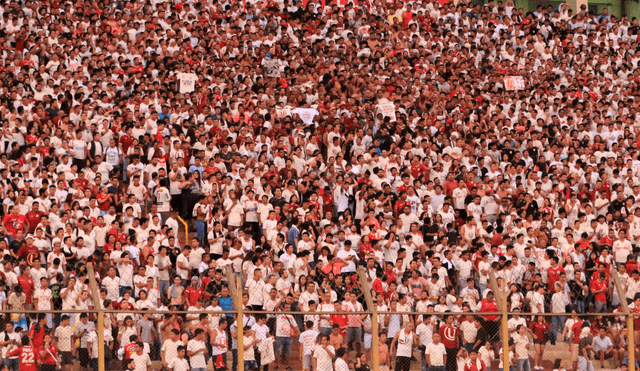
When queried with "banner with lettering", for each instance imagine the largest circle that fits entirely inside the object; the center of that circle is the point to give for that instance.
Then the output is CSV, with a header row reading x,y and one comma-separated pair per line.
x,y
388,110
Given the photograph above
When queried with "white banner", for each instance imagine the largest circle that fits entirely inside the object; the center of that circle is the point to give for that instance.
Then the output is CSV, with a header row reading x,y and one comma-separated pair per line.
x,y
306,114
387,110
187,82
283,111
514,82
271,67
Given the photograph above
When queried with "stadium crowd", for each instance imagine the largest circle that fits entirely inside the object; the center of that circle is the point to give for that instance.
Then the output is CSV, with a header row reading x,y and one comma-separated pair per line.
x,y
300,140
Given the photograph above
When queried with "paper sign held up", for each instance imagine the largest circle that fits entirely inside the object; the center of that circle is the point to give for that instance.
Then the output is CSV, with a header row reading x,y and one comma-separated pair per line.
x,y
514,82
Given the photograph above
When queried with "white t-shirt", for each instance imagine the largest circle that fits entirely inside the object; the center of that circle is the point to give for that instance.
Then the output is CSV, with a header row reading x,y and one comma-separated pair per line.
x,y
436,354
341,365
621,250
308,340
284,322
324,361
44,299
197,360
170,349
261,331
483,277
63,335
346,255
183,273
141,361
178,364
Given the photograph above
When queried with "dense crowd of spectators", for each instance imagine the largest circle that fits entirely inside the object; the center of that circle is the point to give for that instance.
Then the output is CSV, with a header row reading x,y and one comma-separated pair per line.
x,y
300,140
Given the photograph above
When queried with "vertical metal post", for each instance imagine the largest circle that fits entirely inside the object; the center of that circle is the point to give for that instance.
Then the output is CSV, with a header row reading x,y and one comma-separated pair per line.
x,y
631,356
625,309
505,331
502,306
240,321
98,310
366,290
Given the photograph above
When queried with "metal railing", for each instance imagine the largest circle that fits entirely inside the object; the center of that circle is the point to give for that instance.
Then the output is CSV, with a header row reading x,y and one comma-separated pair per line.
x,y
235,288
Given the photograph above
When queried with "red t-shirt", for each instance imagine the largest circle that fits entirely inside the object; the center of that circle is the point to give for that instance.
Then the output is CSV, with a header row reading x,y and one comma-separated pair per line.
x,y
341,320
29,253
27,358
48,358
554,276
192,294
37,337
538,329
576,329
449,336
33,218
126,142
14,222
27,287
597,285
103,201
487,307
475,366
129,350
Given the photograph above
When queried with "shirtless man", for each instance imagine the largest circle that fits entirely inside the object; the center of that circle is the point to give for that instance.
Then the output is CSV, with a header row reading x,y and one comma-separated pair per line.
x,y
335,339
383,352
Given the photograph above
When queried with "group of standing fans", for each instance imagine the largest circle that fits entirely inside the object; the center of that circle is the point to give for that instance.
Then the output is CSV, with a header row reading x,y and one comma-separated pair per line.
x,y
298,141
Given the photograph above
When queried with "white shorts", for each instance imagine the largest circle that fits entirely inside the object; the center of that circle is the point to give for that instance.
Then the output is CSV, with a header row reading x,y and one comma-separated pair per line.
x,y
368,339
307,361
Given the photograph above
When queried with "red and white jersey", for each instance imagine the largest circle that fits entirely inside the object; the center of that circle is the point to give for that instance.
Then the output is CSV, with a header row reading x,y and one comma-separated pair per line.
x,y
27,358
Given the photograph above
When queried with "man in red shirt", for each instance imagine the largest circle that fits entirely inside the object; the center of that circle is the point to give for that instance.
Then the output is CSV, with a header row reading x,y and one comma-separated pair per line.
x,y
599,290
14,221
339,319
26,281
28,357
451,340
491,323
33,216
29,251
450,185
130,348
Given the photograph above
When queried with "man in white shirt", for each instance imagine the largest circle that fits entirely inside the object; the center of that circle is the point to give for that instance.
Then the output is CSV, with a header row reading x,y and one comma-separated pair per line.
x,y
342,356
348,258
603,348
255,286
622,248
436,354
170,346
112,284
309,294
323,355
197,351
141,359
43,299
